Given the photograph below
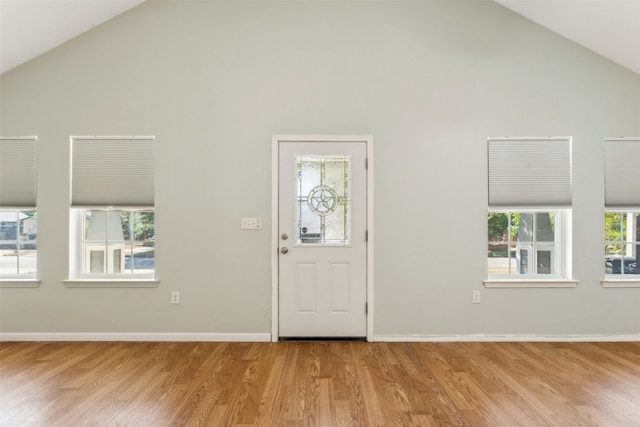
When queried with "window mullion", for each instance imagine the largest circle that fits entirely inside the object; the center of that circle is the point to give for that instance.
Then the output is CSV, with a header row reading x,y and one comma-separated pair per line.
x,y
106,243
131,242
534,243
17,242
509,227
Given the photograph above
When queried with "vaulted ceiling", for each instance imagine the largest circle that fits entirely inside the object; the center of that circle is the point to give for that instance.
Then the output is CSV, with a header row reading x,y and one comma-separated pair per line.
x,y
608,27
29,28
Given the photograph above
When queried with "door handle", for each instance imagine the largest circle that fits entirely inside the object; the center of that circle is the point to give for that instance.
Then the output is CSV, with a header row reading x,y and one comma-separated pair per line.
x,y
284,250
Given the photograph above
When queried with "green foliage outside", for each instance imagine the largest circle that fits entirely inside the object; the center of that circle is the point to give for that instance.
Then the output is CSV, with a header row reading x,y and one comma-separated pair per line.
x,y
143,225
498,226
497,223
613,232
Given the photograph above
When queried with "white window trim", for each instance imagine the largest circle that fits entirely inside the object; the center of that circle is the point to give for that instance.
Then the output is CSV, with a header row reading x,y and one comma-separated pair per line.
x,y
19,283
529,283
78,279
17,280
111,283
29,162
620,280
620,283
562,280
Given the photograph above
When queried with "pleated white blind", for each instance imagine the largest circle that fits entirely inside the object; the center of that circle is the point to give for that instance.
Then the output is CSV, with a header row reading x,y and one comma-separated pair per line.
x,y
622,172
112,171
18,158
529,172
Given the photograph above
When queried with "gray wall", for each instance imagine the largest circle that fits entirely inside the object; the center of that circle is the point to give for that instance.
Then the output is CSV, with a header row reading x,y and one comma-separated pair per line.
x,y
213,81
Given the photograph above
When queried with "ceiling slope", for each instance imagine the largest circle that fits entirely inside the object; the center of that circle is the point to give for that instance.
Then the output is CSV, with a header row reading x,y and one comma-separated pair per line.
x,y
610,28
29,28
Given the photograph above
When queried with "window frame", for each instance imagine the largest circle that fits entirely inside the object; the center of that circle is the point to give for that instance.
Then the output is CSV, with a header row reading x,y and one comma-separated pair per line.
x,y
85,245
78,277
622,193
123,186
18,170
17,278
563,256
621,280
534,174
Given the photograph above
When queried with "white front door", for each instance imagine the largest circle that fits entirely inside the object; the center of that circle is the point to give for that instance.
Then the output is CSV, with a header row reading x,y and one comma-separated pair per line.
x,y
322,226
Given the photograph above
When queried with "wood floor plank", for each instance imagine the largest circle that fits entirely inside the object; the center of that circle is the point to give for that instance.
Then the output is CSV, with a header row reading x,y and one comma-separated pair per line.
x,y
319,384
446,408
364,392
426,394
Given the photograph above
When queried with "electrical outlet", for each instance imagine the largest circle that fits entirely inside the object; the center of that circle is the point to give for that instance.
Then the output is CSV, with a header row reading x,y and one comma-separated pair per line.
x,y
251,223
476,297
175,297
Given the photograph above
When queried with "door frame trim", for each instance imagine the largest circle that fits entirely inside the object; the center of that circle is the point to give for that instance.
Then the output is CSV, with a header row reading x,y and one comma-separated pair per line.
x,y
275,168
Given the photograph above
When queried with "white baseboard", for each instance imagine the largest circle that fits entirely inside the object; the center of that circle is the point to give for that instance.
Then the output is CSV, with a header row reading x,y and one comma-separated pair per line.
x,y
506,338
136,336
266,337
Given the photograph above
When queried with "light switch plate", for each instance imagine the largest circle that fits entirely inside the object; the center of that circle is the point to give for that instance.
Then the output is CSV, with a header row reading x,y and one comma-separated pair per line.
x,y
251,223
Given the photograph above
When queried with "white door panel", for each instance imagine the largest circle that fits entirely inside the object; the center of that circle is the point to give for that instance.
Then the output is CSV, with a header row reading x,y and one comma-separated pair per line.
x,y
322,238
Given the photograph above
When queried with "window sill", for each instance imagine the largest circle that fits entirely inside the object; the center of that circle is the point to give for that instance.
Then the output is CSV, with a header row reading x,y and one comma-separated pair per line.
x,y
19,283
621,283
530,283
111,283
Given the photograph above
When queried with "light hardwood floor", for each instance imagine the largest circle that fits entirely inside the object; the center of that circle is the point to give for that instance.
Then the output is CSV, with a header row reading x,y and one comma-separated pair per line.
x,y
319,384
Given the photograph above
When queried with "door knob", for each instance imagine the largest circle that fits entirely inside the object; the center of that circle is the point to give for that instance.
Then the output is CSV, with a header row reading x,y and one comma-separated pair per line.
x,y
284,250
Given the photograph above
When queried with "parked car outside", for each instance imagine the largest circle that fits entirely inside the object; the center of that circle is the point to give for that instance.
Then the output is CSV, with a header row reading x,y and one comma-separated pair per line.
x,y
614,265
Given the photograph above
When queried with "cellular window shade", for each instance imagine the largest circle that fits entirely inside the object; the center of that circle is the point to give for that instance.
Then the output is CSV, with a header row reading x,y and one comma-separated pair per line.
x,y
622,172
115,172
529,172
18,159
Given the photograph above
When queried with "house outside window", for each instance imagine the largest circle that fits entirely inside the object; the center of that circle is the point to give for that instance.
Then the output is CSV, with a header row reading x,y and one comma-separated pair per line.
x,y
18,212
622,212
524,243
622,243
118,242
529,216
112,208
18,247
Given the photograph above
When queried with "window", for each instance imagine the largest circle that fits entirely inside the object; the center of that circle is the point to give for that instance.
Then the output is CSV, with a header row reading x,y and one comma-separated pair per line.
x,y
622,210
529,216
18,218
118,242
112,208
622,243
524,243
323,210
18,250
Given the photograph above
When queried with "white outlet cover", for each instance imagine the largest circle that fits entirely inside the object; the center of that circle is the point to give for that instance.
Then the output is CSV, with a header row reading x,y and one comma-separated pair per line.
x,y
476,297
251,223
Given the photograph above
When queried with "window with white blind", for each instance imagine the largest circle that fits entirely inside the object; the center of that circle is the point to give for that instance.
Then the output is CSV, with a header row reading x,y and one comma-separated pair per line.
x,y
528,223
622,212
18,215
112,208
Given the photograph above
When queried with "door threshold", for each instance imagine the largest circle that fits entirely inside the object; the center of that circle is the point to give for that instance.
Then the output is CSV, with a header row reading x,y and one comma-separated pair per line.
x,y
320,339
